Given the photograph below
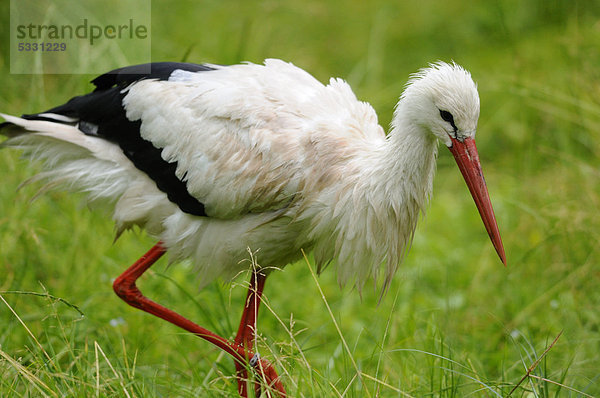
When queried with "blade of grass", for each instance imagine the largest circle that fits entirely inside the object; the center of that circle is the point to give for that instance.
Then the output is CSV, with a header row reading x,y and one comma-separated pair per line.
x,y
383,383
29,332
385,334
35,381
339,331
117,375
97,363
561,385
65,302
534,365
475,379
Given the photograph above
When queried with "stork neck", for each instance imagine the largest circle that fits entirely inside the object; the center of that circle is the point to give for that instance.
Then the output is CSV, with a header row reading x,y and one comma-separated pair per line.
x,y
411,148
408,162
377,212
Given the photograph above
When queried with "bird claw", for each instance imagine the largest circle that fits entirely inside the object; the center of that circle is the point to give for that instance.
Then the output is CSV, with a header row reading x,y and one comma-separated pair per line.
x,y
254,360
266,376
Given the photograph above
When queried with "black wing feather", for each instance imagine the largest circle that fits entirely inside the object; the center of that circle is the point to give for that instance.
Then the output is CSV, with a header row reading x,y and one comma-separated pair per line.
x,y
101,114
123,77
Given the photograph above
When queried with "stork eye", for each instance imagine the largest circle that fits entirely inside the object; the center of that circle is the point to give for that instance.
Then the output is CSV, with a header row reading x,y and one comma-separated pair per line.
x,y
447,117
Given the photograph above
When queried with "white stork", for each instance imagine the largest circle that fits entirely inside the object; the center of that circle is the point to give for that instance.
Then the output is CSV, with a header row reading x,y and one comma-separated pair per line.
x,y
213,160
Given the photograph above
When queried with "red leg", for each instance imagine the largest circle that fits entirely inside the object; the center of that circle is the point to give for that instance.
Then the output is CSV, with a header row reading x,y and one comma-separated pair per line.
x,y
245,337
126,289
247,329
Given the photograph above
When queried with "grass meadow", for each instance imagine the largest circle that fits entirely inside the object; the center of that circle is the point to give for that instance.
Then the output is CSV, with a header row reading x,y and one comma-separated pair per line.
x,y
455,322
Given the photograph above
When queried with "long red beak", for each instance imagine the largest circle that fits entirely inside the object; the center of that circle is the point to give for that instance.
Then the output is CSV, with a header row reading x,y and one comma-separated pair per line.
x,y
467,159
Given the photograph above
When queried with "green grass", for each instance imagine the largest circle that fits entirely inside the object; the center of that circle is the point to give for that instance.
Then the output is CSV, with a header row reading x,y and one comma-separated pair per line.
x,y
455,322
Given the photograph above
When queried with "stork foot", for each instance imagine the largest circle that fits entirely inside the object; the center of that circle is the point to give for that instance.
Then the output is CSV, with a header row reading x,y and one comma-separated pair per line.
x,y
266,373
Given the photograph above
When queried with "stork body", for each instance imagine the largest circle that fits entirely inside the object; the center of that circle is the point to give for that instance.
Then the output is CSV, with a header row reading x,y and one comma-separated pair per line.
x,y
213,160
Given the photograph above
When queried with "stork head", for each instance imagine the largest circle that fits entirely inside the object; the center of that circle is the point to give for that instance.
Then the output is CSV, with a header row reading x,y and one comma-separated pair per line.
x,y
443,101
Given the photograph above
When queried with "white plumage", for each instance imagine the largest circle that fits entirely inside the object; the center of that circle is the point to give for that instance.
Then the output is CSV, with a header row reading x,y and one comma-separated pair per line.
x,y
280,162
